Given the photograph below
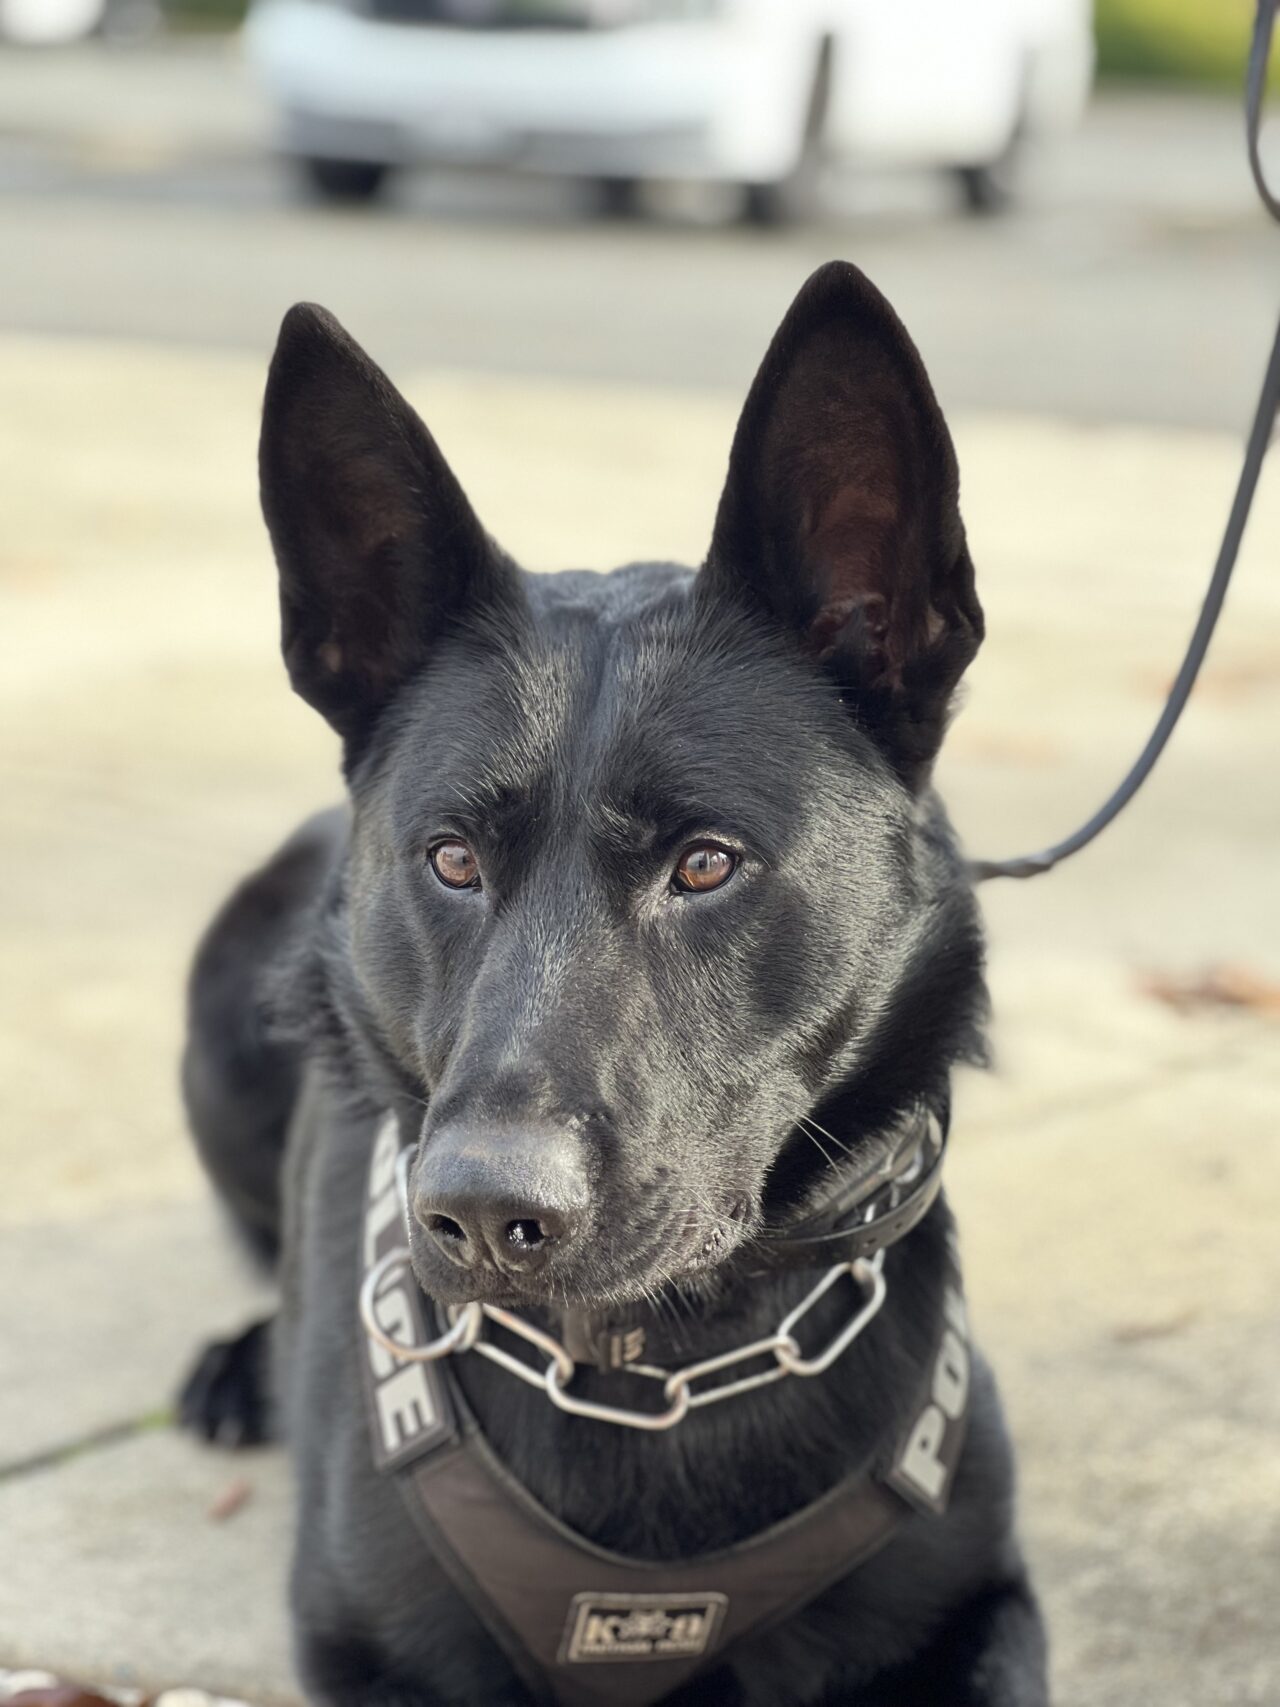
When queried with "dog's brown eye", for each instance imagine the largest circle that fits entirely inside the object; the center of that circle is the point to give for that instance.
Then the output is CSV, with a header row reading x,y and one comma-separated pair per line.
x,y
455,865
706,865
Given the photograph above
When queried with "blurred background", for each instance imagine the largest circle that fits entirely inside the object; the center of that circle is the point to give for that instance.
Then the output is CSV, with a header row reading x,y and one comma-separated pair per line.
x,y
567,228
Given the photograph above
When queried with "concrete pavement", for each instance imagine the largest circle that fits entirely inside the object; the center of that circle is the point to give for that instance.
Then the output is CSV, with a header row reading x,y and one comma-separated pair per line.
x,y
1118,1177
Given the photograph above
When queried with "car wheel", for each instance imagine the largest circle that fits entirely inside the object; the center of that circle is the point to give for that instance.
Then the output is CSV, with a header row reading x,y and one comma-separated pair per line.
x,y
992,186
988,188
617,198
345,180
768,206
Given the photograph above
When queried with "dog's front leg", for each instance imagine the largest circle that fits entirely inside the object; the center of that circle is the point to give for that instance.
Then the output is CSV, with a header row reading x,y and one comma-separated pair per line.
x,y
991,1653
374,1656
997,1652
352,1671
226,1397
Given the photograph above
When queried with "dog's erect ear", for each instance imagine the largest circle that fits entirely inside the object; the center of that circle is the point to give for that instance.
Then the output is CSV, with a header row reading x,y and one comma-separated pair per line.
x,y
377,546
840,514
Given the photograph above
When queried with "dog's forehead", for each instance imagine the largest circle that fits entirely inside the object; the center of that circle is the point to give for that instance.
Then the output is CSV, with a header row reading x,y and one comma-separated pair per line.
x,y
623,700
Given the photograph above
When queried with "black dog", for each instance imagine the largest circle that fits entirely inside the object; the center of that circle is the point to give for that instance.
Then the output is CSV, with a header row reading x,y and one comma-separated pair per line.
x,y
647,931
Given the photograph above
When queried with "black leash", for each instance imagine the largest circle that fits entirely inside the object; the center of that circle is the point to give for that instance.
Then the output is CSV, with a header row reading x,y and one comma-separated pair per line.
x,y
1255,95
1031,865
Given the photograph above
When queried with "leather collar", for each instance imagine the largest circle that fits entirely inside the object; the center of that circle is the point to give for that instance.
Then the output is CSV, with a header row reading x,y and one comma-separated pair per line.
x,y
873,1207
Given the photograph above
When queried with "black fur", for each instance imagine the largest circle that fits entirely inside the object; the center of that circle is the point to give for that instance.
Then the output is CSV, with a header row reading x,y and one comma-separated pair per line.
x,y
227,1397
578,731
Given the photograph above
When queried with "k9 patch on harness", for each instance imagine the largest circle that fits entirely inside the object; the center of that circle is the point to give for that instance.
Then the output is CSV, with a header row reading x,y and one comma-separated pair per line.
x,y
641,1626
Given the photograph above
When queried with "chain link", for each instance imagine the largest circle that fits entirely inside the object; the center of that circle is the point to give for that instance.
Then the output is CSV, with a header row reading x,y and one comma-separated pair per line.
x,y
466,1333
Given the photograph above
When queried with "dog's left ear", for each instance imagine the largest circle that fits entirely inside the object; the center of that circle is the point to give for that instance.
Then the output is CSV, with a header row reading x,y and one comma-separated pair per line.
x,y
840,515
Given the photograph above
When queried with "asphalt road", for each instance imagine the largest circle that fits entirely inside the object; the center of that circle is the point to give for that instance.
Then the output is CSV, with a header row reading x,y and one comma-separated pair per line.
x,y
139,197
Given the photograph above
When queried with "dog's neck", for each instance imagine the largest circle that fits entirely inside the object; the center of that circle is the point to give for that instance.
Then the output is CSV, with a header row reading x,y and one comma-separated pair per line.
x,y
724,1472
720,1473
886,1188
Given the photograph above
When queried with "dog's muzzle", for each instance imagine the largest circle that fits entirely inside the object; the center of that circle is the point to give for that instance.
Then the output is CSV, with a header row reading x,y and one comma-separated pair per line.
x,y
869,1213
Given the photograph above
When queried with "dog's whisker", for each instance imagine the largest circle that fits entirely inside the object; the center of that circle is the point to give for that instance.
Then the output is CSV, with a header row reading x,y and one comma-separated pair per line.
x,y
808,1120
827,1157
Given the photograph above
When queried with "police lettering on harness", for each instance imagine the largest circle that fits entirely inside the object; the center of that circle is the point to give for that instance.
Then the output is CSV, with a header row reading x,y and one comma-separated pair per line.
x,y
927,1459
641,1626
406,1398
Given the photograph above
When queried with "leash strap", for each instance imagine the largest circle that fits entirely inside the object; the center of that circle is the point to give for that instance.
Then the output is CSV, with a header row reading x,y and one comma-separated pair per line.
x,y
582,1626
1255,100
1031,865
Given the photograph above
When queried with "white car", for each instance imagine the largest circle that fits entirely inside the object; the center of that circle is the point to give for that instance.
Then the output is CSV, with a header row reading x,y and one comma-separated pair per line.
x,y
48,23
58,23
747,92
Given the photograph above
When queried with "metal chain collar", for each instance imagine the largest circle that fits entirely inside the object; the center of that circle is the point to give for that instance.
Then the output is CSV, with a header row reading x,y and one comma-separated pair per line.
x,y
467,1327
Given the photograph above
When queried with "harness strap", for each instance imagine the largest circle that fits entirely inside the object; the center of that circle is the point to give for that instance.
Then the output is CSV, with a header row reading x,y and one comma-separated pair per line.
x,y
599,1627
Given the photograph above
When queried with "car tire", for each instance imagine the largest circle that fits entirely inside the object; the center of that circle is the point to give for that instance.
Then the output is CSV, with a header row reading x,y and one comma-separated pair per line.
x,y
348,181
617,198
991,186
986,189
769,206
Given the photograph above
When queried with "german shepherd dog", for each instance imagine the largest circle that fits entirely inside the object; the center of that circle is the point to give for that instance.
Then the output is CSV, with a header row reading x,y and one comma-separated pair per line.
x,y
645,921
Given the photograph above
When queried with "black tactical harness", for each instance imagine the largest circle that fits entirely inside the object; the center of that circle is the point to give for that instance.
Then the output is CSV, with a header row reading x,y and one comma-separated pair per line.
x,y
583,1626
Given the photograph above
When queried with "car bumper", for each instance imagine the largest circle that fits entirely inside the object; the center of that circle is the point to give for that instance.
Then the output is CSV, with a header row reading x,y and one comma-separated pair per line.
x,y
677,152
640,100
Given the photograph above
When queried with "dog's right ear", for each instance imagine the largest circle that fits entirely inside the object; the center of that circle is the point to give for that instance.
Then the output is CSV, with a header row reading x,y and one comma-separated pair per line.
x,y
377,546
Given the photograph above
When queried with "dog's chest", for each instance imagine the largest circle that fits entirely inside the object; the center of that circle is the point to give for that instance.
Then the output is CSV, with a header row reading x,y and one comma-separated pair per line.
x,y
579,1622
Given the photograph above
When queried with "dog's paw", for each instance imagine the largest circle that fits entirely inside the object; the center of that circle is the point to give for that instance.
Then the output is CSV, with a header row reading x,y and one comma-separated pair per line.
x,y
226,1398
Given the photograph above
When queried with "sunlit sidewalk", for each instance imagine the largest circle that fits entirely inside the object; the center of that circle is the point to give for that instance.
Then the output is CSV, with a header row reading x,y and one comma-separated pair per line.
x,y
1118,1177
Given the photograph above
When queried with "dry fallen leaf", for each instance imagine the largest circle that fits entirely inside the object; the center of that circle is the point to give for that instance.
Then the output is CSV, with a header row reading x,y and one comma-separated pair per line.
x,y
58,1695
1133,1333
237,1491
1004,746
42,1689
1223,683
1214,987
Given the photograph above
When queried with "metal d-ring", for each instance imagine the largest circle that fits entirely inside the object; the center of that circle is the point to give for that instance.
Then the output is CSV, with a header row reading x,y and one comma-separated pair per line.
x,y
460,1337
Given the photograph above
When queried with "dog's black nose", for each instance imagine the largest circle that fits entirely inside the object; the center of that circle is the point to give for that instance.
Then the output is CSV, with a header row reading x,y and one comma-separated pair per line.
x,y
500,1199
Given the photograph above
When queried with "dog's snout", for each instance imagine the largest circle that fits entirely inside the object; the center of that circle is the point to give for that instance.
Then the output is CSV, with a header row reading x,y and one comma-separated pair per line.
x,y
500,1200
